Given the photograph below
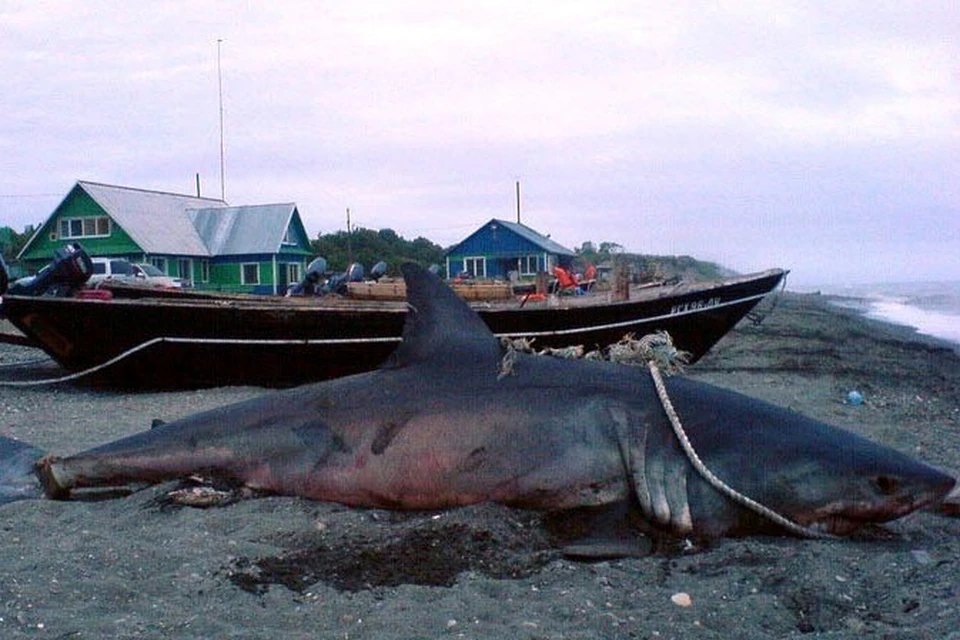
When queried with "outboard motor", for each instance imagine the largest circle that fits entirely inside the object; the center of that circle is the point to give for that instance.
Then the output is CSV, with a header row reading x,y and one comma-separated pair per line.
x,y
69,271
378,271
355,272
309,285
338,283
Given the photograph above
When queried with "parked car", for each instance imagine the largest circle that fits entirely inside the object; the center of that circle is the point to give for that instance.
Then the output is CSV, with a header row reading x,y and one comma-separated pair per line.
x,y
154,276
126,271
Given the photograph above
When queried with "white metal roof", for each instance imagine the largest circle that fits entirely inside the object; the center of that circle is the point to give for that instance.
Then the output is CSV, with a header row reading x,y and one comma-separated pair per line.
x,y
243,230
155,220
171,223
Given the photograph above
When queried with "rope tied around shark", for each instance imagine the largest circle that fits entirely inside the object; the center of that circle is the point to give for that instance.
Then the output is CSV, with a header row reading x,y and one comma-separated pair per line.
x,y
553,435
657,352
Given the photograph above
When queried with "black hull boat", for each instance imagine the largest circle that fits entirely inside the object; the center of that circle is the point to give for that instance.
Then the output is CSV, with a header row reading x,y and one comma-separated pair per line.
x,y
155,339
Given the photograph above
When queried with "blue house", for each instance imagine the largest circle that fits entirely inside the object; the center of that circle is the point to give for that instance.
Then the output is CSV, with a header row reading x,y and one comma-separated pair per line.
x,y
499,249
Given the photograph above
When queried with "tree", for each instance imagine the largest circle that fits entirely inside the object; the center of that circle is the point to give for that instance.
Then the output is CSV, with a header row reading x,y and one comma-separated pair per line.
x,y
12,242
368,247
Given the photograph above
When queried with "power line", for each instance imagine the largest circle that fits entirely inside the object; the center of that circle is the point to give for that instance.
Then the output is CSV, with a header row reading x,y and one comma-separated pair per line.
x,y
31,195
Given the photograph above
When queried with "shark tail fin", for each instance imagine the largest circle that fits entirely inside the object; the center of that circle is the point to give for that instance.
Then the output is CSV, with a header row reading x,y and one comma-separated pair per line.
x,y
18,480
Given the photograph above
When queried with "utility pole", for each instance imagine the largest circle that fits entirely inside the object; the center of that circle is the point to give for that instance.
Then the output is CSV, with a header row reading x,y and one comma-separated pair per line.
x,y
349,248
223,185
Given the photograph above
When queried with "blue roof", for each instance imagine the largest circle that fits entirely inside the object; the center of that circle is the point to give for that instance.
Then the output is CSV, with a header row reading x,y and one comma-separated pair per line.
x,y
538,239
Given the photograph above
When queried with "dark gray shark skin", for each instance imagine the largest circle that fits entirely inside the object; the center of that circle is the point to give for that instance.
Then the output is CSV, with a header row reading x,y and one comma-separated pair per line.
x,y
441,425
18,481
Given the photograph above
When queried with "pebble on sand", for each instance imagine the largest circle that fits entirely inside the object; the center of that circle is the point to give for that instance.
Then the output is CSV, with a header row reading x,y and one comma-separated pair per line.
x,y
681,599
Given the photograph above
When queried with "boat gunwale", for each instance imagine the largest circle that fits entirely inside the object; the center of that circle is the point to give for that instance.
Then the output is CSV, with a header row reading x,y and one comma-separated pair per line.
x,y
249,319
343,304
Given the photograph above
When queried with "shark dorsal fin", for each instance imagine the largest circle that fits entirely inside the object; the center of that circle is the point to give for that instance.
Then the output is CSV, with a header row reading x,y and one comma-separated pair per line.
x,y
441,329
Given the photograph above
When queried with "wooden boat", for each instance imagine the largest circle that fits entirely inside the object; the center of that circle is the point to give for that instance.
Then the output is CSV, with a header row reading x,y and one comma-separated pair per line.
x,y
155,338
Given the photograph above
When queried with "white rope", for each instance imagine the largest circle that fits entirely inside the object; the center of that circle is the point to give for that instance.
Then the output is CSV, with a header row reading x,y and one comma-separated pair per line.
x,y
173,340
657,351
711,478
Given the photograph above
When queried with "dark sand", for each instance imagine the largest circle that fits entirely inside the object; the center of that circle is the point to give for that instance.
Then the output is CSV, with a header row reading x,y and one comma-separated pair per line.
x,y
289,568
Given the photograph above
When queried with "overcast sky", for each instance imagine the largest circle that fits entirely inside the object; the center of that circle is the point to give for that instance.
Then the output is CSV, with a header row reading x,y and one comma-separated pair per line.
x,y
820,137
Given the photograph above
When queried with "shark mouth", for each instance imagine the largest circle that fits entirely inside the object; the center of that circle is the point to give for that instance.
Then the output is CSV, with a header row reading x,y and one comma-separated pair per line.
x,y
842,517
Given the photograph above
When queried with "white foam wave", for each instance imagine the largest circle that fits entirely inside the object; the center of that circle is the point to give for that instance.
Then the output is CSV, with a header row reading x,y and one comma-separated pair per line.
x,y
938,324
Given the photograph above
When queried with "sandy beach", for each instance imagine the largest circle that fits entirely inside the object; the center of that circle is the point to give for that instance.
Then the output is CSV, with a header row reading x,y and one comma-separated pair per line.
x,y
133,567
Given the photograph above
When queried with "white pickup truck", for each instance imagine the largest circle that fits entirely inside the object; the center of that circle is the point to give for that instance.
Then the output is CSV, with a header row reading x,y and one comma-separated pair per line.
x,y
126,271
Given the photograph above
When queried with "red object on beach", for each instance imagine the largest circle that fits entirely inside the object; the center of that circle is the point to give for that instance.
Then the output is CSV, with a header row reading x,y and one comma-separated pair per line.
x,y
94,294
564,279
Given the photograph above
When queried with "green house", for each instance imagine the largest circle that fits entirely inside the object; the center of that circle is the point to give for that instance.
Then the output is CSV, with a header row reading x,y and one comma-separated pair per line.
x,y
249,249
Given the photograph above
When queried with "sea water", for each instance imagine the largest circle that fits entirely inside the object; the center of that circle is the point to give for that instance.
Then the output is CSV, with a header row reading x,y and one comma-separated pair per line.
x,y
932,308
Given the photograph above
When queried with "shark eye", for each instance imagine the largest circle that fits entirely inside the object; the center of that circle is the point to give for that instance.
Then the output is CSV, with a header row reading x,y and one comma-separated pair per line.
x,y
886,485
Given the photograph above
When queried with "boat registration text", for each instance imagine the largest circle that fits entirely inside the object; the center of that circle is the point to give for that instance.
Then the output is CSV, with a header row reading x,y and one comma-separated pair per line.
x,y
694,305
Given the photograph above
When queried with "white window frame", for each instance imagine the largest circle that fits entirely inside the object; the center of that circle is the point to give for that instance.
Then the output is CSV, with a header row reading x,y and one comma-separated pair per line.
x,y
67,232
185,273
524,262
293,272
243,272
160,263
475,261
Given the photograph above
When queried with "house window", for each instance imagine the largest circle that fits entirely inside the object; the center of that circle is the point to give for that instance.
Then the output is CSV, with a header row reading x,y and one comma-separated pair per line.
x,y
527,265
476,267
250,273
185,268
98,227
204,271
293,272
159,263
288,237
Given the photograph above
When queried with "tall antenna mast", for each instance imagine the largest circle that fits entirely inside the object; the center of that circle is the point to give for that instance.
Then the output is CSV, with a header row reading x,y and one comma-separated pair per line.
x,y
518,202
223,186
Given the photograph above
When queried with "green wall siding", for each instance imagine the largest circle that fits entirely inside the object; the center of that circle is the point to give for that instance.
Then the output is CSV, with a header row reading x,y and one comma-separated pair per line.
x,y
78,204
225,273
224,270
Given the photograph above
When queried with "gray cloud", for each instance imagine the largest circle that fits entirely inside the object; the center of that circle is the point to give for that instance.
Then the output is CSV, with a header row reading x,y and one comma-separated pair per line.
x,y
823,139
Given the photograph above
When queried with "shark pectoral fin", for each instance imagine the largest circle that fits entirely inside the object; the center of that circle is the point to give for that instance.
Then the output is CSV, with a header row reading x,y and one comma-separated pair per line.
x,y
17,478
633,446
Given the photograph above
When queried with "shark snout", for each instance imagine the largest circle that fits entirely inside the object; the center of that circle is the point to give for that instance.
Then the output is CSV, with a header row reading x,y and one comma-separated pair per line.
x,y
906,494
883,497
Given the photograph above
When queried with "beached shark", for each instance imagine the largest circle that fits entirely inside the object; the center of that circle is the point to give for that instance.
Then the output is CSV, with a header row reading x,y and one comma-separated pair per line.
x,y
443,423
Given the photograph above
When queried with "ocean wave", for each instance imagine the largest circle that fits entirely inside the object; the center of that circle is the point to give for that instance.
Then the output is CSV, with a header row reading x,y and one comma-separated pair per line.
x,y
932,308
932,323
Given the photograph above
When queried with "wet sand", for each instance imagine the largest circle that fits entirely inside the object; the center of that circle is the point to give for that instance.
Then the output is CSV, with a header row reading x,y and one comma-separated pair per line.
x,y
132,567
